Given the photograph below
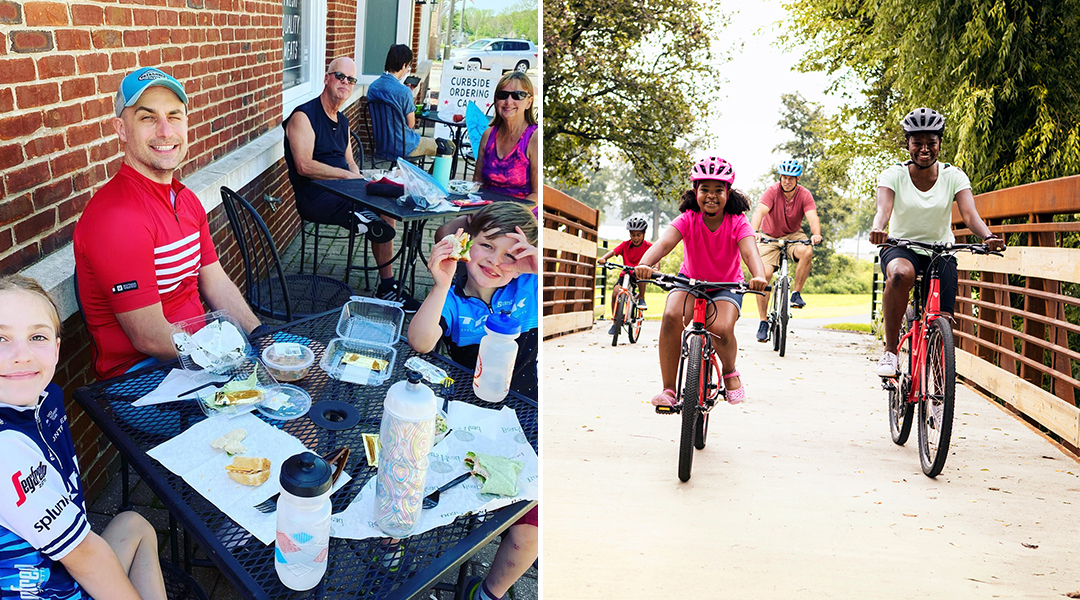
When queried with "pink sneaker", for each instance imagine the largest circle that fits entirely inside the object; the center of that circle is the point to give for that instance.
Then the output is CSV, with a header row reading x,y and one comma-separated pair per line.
x,y
664,398
737,395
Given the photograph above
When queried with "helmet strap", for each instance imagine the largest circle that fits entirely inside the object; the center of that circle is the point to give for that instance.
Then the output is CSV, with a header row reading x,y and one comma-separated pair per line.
x,y
922,168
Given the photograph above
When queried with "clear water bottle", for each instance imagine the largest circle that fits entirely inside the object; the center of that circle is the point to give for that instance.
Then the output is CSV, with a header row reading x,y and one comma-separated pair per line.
x,y
495,361
406,435
303,521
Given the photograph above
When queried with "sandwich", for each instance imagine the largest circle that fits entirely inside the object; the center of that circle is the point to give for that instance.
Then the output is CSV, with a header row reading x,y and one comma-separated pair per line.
x,y
249,471
498,474
230,442
461,244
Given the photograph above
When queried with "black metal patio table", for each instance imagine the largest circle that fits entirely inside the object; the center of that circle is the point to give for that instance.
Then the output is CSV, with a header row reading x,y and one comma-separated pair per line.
x,y
356,567
412,234
458,128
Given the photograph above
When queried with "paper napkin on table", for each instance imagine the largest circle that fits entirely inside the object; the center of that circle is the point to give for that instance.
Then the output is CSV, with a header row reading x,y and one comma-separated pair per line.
x,y
177,382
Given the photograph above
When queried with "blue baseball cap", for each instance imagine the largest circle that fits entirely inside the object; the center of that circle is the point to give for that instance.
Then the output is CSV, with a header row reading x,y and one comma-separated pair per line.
x,y
136,82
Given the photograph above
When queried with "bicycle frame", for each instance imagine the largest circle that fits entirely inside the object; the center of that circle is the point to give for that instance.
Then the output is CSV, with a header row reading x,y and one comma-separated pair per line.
x,y
697,327
919,327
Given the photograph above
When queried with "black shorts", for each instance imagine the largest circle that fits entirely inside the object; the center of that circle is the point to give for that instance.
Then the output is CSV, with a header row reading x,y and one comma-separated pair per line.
x,y
921,262
326,208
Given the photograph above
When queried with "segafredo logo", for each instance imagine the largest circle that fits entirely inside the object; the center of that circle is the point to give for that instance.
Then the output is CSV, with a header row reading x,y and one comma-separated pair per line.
x,y
27,485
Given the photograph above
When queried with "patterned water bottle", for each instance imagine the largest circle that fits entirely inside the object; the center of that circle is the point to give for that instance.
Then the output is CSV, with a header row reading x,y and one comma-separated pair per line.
x,y
303,521
406,434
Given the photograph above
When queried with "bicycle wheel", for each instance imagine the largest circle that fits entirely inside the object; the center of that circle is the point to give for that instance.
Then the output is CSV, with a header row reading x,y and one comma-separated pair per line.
x,y
617,319
937,402
784,309
633,325
690,398
900,410
701,426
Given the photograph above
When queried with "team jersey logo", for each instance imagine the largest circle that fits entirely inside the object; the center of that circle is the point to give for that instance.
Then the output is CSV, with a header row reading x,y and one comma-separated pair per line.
x,y
127,286
27,485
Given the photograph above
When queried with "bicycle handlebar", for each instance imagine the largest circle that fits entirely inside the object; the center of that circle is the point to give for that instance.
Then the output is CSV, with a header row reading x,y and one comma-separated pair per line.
x,y
769,240
941,247
679,282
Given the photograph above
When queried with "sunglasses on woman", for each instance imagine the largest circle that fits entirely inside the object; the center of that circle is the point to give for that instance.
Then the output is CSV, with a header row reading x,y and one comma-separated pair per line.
x,y
343,77
516,95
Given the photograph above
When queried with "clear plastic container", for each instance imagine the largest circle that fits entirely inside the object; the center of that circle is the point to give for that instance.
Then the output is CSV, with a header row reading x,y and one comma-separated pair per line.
x,y
371,320
288,361
265,384
289,403
358,361
218,357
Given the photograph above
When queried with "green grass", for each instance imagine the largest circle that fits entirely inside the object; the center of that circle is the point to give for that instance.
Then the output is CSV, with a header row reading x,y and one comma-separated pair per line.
x,y
818,306
862,327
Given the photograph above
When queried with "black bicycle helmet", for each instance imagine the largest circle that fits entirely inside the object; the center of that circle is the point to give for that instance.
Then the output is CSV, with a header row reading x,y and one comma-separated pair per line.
x,y
924,120
636,224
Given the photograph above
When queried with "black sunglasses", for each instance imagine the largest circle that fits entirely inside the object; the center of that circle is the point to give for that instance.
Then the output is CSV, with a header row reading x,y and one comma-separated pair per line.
x,y
343,77
516,95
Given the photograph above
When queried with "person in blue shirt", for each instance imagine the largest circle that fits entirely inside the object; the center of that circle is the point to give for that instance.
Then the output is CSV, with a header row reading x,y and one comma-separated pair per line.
x,y
389,89
47,549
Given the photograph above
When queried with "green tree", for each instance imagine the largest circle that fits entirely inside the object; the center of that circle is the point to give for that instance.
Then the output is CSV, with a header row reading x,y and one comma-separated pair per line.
x,y
633,78
1003,73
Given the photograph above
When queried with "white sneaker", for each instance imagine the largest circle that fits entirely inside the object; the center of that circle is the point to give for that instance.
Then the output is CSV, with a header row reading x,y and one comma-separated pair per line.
x,y
887,366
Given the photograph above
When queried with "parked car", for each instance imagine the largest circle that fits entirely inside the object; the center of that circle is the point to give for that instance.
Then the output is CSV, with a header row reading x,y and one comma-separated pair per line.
x,y
520,55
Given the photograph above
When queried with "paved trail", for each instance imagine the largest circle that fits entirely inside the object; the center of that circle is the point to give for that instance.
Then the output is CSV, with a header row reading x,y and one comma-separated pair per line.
x,y
800,492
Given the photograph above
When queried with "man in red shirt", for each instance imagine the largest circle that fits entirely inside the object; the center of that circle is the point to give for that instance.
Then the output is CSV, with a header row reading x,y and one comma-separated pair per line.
x,y
779,215
143,253
631,252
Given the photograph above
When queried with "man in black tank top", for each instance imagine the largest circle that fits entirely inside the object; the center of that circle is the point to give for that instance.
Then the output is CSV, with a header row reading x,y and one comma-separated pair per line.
x,y
318,146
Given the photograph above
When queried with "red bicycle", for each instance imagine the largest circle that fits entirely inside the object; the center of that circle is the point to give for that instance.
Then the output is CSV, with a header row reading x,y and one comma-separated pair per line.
x,y
697,387
927,367
625,311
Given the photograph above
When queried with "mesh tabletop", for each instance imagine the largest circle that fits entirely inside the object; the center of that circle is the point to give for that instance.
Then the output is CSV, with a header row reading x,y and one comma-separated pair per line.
x,y
357,568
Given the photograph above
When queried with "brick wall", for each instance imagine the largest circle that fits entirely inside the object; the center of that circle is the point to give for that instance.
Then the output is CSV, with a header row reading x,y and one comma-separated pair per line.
x,y
340,29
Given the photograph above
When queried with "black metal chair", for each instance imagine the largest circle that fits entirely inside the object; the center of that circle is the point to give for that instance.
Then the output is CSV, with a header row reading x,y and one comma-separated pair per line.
x,y
269,291
179,585
384,148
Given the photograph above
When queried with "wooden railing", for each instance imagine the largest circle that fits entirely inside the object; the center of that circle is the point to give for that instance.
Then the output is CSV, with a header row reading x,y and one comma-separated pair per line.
x,y
1015,313
569,247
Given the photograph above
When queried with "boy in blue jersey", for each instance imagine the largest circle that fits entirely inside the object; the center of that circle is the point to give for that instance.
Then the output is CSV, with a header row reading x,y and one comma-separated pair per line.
x,y
500,276
47,549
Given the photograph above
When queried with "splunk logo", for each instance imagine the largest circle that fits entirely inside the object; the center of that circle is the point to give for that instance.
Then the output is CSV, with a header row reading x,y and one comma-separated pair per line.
x,y
27,485
51,514
30,579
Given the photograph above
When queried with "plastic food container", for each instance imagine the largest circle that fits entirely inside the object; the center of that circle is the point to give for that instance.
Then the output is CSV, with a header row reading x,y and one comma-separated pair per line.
x,y
358,361
290,402
266,387
223,356
371,320
288,361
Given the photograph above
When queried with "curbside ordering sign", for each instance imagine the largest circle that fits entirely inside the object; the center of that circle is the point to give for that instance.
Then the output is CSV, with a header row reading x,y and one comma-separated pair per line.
x,y
459,87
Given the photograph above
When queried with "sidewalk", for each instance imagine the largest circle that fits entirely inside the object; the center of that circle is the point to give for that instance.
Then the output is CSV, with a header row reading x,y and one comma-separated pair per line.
x,y
800,491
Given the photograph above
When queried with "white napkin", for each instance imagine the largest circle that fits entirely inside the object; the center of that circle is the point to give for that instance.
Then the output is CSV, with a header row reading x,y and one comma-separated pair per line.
x,y
190,456
177,382
475,429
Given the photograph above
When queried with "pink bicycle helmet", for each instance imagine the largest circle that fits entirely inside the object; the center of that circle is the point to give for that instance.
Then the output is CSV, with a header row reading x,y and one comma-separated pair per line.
x,y
715,168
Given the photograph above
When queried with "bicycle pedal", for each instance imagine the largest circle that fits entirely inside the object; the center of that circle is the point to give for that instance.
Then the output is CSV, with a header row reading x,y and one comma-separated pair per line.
x,y
888,383
668,410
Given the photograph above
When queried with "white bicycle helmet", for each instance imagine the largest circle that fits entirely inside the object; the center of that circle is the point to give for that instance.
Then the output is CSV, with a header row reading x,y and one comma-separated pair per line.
x,y
636,224
924,120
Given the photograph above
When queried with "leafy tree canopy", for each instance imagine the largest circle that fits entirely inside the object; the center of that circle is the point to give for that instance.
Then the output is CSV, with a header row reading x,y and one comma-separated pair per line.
x,y
635,78
1003,73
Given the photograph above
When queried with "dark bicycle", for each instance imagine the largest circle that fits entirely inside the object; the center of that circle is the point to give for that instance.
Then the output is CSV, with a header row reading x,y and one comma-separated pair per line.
x,y
779,315
926,363
701,388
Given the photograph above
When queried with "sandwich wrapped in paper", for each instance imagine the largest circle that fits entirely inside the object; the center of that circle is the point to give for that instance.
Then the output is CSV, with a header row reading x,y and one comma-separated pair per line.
x,y
499,474
217,346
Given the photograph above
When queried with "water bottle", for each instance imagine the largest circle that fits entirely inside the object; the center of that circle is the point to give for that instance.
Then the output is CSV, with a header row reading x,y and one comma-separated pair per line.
x,y
303,521
495,361
441,170
406,435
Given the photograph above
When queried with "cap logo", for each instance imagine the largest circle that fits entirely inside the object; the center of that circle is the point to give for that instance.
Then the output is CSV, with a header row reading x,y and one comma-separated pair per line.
x,y
151,75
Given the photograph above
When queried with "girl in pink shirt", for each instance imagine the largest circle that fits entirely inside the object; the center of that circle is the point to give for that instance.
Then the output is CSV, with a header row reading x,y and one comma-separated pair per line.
x,y
715,233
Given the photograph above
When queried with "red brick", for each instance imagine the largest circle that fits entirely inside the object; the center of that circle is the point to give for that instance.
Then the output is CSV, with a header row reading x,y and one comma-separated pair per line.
x,y
7,100
93,63
72,39
42,94
10,12
77,88
68,162
117,16
150,58
136,38
10,156
63,116
50,194
57,65
98,107
13,210
57,239
3,44
83,134
145,17
31,41
73,207
89,178
45,14
159,37
107,38
7,240
21,258
103,151
33,227
179,36
27,177
122,61
44,145
171,54
108,84
22,125
168,18
17,70
87,14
